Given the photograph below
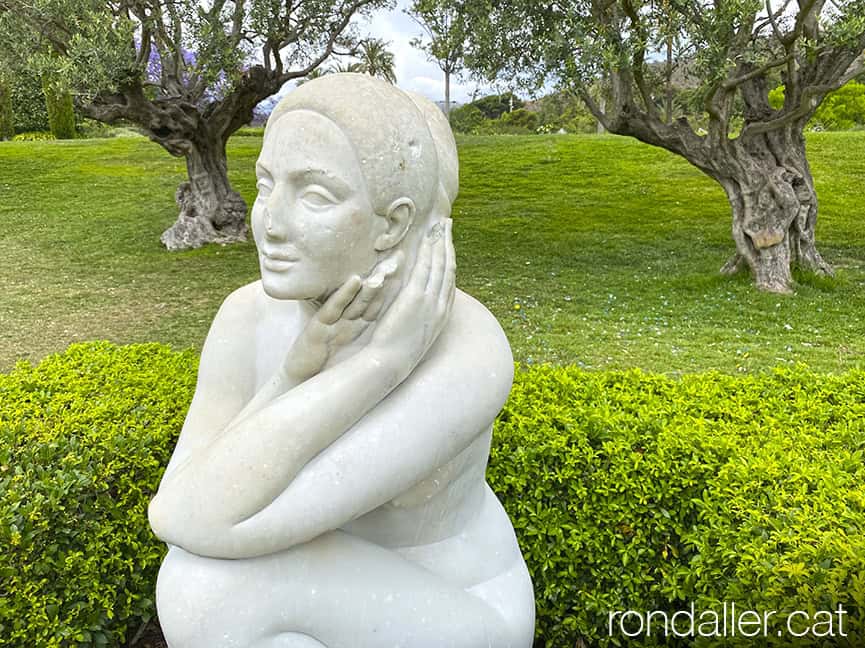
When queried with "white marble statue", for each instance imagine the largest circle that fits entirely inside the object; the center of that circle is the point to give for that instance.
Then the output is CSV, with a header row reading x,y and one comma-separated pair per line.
x,y
328,486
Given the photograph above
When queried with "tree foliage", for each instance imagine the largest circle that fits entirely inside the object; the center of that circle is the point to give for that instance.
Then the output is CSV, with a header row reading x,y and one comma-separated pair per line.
x,y
188,73
494,106
7,124
731,47
376,60
28,101
607,52
445,26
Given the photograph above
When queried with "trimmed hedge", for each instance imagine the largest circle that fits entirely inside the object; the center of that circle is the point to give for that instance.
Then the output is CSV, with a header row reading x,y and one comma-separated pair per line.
x,y
466,119
84,438
842,109
631,491
627,491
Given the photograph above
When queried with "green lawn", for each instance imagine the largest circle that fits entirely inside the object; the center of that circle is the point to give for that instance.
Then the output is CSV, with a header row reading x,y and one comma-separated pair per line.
x,y
598,251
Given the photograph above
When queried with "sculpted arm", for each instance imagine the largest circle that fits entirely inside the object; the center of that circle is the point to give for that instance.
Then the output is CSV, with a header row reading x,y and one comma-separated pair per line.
x,y
225,375
447,402
243,467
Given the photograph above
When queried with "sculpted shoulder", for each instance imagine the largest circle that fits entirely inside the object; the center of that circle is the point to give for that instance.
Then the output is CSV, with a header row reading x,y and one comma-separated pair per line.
x,y
471,319
243,304
242,310
475,344
225,357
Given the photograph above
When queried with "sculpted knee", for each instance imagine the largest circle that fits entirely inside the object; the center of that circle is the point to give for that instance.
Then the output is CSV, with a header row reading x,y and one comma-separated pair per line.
x,y
194,602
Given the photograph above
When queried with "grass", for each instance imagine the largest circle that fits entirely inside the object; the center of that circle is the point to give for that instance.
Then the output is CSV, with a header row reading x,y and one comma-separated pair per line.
x,y
593,250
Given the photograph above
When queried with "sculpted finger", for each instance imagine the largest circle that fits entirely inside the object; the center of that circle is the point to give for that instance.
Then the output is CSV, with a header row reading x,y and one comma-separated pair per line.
x,y
372,311
421,270
447,287
370,289
384,275
332,309
439,261
348,331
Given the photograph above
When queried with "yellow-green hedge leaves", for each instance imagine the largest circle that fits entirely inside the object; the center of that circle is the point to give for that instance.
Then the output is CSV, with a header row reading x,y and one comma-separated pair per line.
x,y
632,491
84,438
627,490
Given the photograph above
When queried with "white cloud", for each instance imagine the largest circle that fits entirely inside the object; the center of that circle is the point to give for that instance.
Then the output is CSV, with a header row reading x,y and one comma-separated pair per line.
x,y
413,70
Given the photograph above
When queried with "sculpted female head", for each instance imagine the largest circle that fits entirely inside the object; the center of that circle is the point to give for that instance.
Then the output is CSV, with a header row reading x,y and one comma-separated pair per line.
x,y
348,172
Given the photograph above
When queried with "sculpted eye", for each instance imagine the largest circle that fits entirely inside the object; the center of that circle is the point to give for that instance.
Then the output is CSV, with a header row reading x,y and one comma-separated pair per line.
x,y
264,188
318,197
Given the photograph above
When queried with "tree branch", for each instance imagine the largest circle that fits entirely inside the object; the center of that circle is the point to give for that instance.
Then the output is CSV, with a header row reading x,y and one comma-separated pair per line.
x,y
587,98
639,57
731,84
237,23
773,17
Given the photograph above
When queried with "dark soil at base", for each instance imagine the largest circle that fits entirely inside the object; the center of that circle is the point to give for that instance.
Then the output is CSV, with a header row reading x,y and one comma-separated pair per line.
x,y
151,637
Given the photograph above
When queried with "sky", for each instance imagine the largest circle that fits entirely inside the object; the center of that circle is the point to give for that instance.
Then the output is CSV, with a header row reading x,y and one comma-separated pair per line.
x,y
413,70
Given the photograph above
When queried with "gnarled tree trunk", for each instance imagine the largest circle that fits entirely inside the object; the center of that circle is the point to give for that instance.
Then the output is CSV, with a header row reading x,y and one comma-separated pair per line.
x,y
210,210
769,185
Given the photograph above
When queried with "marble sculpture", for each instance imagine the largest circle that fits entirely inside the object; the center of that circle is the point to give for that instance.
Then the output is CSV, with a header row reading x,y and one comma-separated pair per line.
x,y
328,487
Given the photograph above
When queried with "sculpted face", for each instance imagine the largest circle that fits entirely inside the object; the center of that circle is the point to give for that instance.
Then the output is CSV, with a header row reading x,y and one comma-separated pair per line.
x,y
313,219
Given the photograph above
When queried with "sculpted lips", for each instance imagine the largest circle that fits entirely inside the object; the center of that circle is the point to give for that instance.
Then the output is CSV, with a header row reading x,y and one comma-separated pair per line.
x,y
276,260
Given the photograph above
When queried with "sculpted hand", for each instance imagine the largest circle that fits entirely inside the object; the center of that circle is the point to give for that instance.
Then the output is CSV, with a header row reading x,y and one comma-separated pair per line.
x,y
340,321
414,320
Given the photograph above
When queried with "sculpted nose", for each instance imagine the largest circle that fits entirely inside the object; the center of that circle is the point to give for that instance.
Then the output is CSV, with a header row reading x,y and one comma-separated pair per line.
x,y
268,222
273,226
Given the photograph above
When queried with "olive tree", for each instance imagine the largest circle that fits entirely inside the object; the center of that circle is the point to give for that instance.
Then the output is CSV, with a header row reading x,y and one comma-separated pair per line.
x,y
188,73
739,50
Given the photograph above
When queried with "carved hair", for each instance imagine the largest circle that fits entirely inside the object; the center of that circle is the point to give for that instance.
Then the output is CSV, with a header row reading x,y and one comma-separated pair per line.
x,y
446,147
389,133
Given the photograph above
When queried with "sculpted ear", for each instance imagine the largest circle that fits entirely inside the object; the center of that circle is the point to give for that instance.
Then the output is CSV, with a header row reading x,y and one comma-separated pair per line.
x,y
399,217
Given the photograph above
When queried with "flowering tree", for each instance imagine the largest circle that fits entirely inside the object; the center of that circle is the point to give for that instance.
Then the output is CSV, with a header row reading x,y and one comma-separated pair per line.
x,y
187,72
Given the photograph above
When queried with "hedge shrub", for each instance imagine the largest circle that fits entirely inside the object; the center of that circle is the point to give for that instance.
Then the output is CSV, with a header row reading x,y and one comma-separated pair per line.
x,y
636,491
7,123
249,131
28,102
61,111
34,136
465,119
627,491
84,438
842,109
517,122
